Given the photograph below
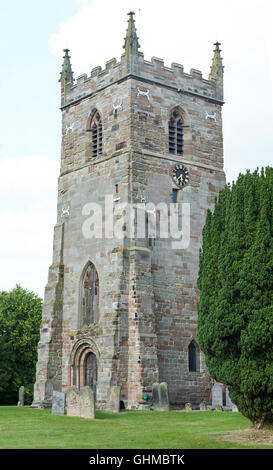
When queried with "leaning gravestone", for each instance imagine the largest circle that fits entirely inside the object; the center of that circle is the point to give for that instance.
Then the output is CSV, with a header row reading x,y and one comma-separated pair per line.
x,y
155,392
87,403
164,397
113,402
217,395
58,403
73,406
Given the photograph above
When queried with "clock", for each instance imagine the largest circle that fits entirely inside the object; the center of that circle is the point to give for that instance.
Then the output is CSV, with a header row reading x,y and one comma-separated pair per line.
x,y
180,175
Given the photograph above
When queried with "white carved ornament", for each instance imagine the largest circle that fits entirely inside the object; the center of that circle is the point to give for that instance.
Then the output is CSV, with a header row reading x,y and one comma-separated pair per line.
x,y
65,212
69,129
118,106
211,116
143,93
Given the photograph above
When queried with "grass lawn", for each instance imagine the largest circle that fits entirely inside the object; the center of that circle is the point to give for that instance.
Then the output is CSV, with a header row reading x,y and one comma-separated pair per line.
x,y
24,428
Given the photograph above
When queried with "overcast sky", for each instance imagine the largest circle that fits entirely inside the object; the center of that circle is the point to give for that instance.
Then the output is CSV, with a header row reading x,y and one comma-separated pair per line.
x,y
34,33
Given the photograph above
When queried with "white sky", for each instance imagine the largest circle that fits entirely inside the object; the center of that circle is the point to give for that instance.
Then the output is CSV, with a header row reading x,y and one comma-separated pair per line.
x,y
176,31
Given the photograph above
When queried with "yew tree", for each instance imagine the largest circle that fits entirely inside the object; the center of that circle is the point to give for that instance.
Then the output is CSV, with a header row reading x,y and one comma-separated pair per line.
x,y
235,311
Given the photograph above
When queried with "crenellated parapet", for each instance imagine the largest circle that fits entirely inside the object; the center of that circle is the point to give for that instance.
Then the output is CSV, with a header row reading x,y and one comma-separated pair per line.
x,y
133,65
155,71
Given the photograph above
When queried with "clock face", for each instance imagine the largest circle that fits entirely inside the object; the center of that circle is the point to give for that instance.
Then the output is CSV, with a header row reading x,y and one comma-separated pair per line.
x,y
180,175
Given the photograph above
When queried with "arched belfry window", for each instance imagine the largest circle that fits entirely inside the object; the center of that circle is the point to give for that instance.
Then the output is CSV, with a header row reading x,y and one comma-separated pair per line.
x,y
176,133
90,295
96,130
194,357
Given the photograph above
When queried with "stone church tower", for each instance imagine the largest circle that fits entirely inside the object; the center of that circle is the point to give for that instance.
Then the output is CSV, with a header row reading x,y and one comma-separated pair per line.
x,y
121,309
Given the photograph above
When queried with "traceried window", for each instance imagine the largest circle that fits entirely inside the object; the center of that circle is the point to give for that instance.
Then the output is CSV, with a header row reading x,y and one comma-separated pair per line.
x,y
176,133
96,130
90,295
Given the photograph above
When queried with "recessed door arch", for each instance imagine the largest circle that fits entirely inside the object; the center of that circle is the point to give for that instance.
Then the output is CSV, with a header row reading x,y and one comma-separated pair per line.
x,y
84,365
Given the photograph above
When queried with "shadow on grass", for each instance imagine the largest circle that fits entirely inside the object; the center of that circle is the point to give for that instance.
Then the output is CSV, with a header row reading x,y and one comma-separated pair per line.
x,y
101,414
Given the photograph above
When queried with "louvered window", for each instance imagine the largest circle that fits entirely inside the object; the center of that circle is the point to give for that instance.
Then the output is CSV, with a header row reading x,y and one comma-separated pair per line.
x,y
176,133
96,129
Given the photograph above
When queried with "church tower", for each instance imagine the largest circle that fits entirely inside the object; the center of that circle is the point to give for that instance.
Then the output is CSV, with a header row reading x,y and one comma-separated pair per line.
x,y
120,305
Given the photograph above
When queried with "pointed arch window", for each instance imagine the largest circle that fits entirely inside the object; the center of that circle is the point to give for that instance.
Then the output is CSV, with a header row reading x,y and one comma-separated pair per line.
x,y
96,130
90,295
176,123
193,356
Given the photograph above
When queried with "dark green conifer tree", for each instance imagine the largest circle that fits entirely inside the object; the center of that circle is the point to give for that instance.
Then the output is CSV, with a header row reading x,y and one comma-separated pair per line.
x,y
235,311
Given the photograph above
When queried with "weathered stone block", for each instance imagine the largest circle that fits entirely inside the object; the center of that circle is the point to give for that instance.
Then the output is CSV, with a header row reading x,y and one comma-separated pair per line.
x,y
217,395
155,393
113,402
87,403
58,403
21,396
164,396
73,402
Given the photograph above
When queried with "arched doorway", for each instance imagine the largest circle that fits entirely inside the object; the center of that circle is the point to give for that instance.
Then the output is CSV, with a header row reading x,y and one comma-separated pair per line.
x,y
90,370
84,364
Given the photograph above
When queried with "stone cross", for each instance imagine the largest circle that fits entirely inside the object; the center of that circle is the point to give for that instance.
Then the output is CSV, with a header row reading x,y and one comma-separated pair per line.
x,y
113,402
58,403
217,395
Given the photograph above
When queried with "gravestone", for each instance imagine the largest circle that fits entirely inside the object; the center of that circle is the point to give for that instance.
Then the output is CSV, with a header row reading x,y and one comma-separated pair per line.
x,y
87,403
58,403
218,408
73,406
164,396
113,402
217,395
234,408
203,406
155,392
21,396
229,403
188,407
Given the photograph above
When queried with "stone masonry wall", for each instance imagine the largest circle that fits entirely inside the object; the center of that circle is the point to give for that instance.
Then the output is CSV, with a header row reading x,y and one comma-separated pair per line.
x,y
148,294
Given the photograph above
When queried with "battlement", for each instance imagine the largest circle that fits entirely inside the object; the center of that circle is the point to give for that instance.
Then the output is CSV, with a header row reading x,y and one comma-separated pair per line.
x,y
150,71
133,65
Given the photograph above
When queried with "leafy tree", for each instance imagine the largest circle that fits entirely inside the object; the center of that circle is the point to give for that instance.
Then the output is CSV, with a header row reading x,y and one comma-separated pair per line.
x,y
235,311
20,318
